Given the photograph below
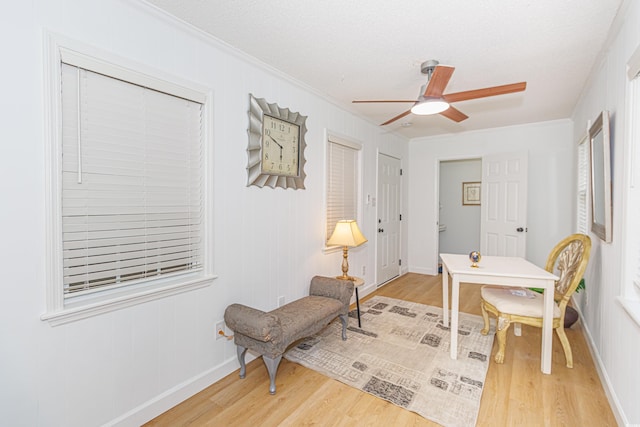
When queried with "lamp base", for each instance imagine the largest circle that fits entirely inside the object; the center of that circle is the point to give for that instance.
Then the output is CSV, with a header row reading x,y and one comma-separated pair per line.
x,y
345,265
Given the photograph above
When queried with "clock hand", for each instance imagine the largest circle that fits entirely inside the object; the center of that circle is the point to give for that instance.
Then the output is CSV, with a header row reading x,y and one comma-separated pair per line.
x,y
273,139
281,147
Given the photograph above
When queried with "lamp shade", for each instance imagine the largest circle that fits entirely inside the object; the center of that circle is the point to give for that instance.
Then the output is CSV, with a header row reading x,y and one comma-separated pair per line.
x,y
346,233
429,105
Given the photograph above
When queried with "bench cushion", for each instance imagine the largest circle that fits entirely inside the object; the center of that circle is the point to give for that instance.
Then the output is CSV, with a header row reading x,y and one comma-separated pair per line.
x,y
306,316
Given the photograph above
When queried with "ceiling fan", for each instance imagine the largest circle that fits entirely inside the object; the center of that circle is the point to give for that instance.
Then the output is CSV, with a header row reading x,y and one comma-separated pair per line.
x,y
432,100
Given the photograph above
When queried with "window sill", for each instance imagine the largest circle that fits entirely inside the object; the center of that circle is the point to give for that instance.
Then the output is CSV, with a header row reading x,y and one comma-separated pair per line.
x,y
75,312
331,249
631,307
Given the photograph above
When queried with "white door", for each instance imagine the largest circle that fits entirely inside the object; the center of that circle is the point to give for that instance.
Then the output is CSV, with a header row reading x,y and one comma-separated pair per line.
x,y
504,205
388,238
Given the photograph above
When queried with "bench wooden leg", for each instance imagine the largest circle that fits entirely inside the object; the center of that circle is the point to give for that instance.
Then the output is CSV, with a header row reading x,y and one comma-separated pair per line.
x,y
272,368
345,321
243,367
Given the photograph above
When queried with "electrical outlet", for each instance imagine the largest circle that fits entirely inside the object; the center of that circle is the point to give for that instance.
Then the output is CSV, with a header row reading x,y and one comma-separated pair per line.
x,y
586,298
280,301
364,270
220,333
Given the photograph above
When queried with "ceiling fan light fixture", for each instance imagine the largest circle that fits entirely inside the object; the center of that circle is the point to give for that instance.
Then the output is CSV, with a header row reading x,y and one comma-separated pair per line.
x,y
429,105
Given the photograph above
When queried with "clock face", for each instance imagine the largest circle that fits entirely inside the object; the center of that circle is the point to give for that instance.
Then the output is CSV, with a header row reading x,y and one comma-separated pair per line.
x,y
280,147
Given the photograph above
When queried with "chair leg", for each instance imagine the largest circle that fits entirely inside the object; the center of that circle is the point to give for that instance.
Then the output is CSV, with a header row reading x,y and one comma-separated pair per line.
x,y
272,368
344,318
243,367
485,316
568,355
501,334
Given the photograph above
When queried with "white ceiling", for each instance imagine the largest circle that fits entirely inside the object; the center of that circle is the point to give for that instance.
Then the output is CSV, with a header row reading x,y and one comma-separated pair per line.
x,y
372,49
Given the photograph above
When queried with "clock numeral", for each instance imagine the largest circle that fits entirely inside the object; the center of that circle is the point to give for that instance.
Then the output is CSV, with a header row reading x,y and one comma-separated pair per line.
x,y
266,156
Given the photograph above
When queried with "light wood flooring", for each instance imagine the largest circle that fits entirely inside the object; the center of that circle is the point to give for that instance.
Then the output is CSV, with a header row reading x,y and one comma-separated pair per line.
x,y
516,393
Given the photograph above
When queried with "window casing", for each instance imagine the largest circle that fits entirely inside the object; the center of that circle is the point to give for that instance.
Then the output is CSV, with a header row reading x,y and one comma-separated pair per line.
x,y
127,190
343,181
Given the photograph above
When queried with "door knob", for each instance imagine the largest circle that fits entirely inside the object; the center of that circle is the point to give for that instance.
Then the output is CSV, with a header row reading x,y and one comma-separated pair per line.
x,y
519,229
380,230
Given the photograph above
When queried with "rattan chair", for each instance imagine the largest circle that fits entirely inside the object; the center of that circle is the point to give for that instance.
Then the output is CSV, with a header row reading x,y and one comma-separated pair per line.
x,y
568,260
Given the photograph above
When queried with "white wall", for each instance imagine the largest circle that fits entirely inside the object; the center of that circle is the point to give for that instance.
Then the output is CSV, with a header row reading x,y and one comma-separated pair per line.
x,y
615,336
550,187
134,363
462,233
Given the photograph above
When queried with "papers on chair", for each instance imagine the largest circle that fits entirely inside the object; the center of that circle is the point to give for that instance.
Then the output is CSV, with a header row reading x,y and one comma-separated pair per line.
x,y
526,293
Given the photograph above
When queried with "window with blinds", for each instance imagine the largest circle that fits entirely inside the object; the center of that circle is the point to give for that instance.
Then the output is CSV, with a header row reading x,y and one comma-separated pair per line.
x,y
131,181
582,216
342,182
634,171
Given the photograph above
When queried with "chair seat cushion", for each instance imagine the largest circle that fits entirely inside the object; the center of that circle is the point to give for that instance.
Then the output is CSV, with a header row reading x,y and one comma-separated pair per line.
x,y
518,301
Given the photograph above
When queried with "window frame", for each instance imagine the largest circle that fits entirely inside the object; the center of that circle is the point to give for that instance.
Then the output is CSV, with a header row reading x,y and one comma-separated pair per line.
x,y
333,138
61,310
630,292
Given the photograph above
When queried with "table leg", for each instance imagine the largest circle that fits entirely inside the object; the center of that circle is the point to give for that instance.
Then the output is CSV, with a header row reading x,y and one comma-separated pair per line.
x,y
358,307
455,299
445,295
547,330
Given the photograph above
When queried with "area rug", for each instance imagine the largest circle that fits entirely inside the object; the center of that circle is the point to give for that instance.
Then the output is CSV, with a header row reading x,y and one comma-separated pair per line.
x,y
401,354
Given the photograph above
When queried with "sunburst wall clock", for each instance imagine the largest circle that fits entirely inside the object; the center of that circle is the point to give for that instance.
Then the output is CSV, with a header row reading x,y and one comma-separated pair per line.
x,y
276,146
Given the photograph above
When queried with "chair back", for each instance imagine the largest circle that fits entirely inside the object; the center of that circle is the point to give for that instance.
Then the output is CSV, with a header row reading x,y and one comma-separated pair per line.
x,y
569,258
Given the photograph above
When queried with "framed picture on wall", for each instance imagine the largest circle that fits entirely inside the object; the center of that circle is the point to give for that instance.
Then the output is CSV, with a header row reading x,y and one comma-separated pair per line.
x,y
470,193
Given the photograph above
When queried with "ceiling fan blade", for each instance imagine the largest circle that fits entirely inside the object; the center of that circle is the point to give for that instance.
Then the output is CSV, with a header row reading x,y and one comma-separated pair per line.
x,y
384,100
398,117
439,80
483,93
454,114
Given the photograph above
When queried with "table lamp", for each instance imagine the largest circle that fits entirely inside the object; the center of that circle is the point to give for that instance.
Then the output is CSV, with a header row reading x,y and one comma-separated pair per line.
x,y
346,234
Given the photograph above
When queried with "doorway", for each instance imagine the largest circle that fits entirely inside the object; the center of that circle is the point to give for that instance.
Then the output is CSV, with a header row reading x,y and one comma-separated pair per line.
x,y
459,220
502,213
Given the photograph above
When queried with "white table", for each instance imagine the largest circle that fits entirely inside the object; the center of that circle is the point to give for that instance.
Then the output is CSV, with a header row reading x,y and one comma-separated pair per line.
x,y
497,270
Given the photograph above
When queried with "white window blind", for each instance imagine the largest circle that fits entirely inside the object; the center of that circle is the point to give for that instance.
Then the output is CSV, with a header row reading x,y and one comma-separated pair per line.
x,y
132,181
634,170
582,224
342,185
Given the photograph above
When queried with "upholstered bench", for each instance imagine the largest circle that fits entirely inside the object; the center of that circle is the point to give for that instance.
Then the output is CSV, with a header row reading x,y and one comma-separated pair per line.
x,y
269,334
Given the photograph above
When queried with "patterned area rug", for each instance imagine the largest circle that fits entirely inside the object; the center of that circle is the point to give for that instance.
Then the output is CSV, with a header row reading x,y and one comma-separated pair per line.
x,y
401,354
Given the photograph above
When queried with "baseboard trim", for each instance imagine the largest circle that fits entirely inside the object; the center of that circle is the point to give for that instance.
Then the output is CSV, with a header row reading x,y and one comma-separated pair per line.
x,y
618,413
181,392
421,270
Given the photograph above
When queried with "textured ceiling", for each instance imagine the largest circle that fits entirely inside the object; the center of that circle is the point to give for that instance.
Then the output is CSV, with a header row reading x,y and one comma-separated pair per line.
x,y
372,49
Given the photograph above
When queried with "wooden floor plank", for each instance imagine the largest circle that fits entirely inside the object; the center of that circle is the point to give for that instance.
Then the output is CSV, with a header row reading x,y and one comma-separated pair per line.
x,y
515,393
